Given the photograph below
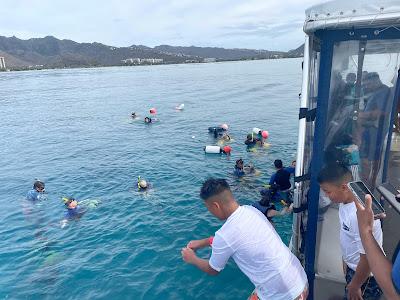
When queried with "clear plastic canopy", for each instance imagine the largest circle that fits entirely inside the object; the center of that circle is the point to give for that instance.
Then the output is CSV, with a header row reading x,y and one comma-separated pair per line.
x,y
353,13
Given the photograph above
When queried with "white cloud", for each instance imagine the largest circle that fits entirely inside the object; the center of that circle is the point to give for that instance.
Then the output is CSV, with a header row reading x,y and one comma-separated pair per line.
x,y
272,24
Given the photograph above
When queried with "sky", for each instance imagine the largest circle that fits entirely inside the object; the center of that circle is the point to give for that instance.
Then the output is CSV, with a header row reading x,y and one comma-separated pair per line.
x,y
255,24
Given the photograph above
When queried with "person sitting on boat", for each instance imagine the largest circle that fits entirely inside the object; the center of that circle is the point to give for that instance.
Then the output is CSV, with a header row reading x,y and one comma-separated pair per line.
x,y
252,242
333,180
36,192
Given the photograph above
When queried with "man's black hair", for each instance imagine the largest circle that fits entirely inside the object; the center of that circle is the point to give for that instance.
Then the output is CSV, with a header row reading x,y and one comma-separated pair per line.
x,y
334,173
212,187
38,184
278,164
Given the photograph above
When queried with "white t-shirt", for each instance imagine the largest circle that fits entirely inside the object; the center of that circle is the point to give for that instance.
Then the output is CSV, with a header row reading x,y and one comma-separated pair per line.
x,y
350,240
249,238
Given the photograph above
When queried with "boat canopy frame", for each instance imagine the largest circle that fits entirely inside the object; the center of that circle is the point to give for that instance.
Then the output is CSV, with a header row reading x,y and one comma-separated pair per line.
x,y
327,39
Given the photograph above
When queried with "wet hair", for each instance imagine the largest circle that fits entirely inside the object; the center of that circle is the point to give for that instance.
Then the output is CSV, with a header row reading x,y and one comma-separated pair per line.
x,y
67,202
278,164
335,173
212,187
38,184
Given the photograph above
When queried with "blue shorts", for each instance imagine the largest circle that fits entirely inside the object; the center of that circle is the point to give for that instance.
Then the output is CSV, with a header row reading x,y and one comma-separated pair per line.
x,y
370,289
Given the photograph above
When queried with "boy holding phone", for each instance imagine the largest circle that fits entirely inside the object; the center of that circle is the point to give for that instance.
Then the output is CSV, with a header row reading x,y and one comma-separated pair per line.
x,y
333,180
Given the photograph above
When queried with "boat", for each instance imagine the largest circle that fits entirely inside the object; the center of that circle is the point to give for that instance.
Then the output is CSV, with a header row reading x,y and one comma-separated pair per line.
x,y
350,47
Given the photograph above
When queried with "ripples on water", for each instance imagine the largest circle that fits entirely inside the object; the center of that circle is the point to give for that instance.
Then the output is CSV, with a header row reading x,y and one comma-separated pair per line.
x,y
71,128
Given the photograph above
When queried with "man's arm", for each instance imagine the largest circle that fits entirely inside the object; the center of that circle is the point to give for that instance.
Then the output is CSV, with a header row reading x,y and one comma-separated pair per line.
x,y
379,264
272,180
190,257
198,244
361,274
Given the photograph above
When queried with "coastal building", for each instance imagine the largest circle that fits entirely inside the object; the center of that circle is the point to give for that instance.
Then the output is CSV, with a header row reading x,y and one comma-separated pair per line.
x,y
2,63
138,61
209,59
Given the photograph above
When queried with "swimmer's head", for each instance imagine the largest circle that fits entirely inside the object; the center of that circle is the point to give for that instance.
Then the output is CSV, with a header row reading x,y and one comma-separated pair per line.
x,y
133,114
142,184
38,186
147,120
249,136
239,164
70,203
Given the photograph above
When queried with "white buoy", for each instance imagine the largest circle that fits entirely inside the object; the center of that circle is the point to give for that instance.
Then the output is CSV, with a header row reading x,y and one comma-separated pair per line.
x,y
180,106
212,149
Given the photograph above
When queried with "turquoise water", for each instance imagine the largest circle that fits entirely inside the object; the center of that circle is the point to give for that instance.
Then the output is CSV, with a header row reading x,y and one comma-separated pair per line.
x,y
71,128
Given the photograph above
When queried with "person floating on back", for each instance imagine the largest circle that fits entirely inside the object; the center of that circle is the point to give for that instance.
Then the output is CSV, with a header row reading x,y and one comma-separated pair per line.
x,y
250,239
333,180
36,193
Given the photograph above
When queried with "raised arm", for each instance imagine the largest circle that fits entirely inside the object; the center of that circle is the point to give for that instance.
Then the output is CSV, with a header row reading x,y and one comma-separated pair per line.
x,y
378,263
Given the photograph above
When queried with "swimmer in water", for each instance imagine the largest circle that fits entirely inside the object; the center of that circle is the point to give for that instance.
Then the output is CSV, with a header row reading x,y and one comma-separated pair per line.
x,y
74,211
252,141
36,192
149,120
142,184
241,169
269,210
134,115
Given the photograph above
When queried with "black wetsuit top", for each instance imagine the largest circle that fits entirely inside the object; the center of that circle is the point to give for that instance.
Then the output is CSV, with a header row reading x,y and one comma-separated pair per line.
x,y
282,179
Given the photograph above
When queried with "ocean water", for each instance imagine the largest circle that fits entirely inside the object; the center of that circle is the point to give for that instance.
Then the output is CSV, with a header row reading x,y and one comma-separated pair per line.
x,y
72,129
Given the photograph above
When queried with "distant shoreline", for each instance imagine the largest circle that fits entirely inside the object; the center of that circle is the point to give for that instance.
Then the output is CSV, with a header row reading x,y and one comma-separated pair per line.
x,y
22,69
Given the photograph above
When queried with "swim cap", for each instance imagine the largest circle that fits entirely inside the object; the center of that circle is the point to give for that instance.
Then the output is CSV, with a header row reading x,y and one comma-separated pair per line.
x,y
224,126
142,184
265,134
153,111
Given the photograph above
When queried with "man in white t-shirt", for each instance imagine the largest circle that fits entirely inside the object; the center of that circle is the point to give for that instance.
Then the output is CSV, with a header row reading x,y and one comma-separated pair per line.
x,y
333,180
252,242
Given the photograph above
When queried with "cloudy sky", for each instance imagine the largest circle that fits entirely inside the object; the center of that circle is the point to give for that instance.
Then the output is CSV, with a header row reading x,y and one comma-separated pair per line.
x,y
258,24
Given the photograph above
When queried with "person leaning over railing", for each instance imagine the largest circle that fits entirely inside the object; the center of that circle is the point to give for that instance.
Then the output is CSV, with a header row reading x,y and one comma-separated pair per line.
x,y
387,276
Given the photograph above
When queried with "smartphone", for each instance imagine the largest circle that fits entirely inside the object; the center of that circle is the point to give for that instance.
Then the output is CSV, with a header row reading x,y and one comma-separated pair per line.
x,y
359,189
389,192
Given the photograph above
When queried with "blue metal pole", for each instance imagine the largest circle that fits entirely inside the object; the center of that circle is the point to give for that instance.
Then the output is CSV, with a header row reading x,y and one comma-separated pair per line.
x,y
317,160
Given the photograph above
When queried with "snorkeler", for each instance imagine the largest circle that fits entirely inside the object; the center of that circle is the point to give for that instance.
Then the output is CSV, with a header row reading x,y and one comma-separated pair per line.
x,y
241,170
149,120
269,209
142,185
36,192
74,211
252,141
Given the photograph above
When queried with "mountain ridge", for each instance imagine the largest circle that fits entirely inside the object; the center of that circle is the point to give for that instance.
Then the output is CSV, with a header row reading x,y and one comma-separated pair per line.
x,y
50,52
